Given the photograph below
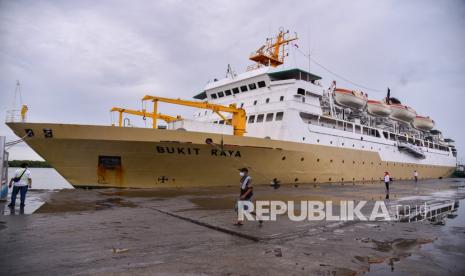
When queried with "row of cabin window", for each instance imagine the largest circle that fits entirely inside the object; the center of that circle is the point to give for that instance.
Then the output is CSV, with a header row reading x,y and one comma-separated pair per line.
x,y
268,118
418,142
260,118
387,135
255,102
243,88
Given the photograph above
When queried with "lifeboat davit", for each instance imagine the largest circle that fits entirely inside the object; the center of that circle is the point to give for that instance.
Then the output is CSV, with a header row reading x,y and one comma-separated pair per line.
x,y
423,123
378,108
402,113
349,98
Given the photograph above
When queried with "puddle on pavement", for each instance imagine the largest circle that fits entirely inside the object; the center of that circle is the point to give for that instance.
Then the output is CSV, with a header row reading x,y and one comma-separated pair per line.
x,y
81,206
167,192
403,247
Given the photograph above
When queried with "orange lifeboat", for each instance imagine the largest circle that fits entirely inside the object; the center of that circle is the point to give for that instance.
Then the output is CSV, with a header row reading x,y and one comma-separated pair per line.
x,y
423,123
349,98
402,113
378,108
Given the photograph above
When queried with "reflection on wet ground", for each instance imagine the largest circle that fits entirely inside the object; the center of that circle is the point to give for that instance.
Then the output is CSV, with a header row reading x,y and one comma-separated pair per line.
x,y
102,217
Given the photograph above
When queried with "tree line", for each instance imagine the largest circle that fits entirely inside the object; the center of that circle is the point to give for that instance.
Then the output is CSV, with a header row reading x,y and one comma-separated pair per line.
x,y
31,163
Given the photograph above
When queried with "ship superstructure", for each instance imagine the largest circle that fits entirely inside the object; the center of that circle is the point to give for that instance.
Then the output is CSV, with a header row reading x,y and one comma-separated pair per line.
x,y
281,123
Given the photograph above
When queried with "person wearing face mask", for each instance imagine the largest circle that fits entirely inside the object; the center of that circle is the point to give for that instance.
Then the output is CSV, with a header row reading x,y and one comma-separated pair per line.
x,y
246,192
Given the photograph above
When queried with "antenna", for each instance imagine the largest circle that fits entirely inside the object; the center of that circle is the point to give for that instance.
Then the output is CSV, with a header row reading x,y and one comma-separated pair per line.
x,y
17,96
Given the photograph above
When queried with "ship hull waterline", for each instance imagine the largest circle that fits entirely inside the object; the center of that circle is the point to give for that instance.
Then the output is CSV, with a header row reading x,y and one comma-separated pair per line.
x,y
107,156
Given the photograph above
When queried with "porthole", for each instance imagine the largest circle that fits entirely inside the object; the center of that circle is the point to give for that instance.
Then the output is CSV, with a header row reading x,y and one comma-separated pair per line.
x,y
331,161
284,158
314,179
353,178
317,140
342,161
363,147
353,162
342,179
318,160
303,138
343,144
331,142
372,163
353,145
302,159
363,162
371,147
330,179
295,180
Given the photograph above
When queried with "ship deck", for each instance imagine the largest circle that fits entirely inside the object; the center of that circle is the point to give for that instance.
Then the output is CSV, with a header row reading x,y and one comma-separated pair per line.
x,y
190,231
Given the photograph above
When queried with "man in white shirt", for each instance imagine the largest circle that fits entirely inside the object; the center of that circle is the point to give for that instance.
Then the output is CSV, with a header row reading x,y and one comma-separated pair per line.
x,y
20,182
387,179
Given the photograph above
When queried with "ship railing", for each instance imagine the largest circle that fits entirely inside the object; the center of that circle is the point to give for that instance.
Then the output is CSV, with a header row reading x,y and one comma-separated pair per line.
x,y
14,116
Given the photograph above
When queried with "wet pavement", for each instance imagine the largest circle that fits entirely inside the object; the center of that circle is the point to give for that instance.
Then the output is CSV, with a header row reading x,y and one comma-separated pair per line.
x,y
190,231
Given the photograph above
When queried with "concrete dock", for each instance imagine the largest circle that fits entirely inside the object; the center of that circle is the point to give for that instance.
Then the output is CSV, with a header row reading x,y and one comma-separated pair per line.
x,y
191,231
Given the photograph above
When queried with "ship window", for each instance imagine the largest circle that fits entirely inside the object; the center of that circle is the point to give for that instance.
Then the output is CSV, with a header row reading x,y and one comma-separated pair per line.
x,y
303,100
301,91
357,129
213,96
222,122
281,98
261,84
267,100
260,118
252,86
235,90
255,102
279,116
251,119
269,117
220,94
385,134
244,88
227,92
215,122
109,162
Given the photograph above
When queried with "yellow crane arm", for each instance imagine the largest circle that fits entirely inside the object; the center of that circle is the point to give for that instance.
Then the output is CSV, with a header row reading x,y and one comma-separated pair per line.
x,y
143,113
238,114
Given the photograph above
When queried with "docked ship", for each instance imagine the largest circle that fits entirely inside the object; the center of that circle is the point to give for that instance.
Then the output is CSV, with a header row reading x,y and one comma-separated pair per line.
x,y
281,124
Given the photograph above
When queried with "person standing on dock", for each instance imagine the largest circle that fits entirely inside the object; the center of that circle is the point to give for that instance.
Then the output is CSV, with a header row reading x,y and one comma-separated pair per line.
x,y
387,180
246,192
21,182
415,175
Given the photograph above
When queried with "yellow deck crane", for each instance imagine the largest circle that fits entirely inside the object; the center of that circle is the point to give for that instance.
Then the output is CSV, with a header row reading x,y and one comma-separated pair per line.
x,y
238,114
144,114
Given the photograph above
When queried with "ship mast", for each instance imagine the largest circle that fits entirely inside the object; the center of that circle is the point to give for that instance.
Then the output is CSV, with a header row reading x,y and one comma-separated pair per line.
x,y
273,52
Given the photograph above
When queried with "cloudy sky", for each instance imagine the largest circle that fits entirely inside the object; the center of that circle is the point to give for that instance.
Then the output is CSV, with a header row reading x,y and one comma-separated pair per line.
x,y
77,59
